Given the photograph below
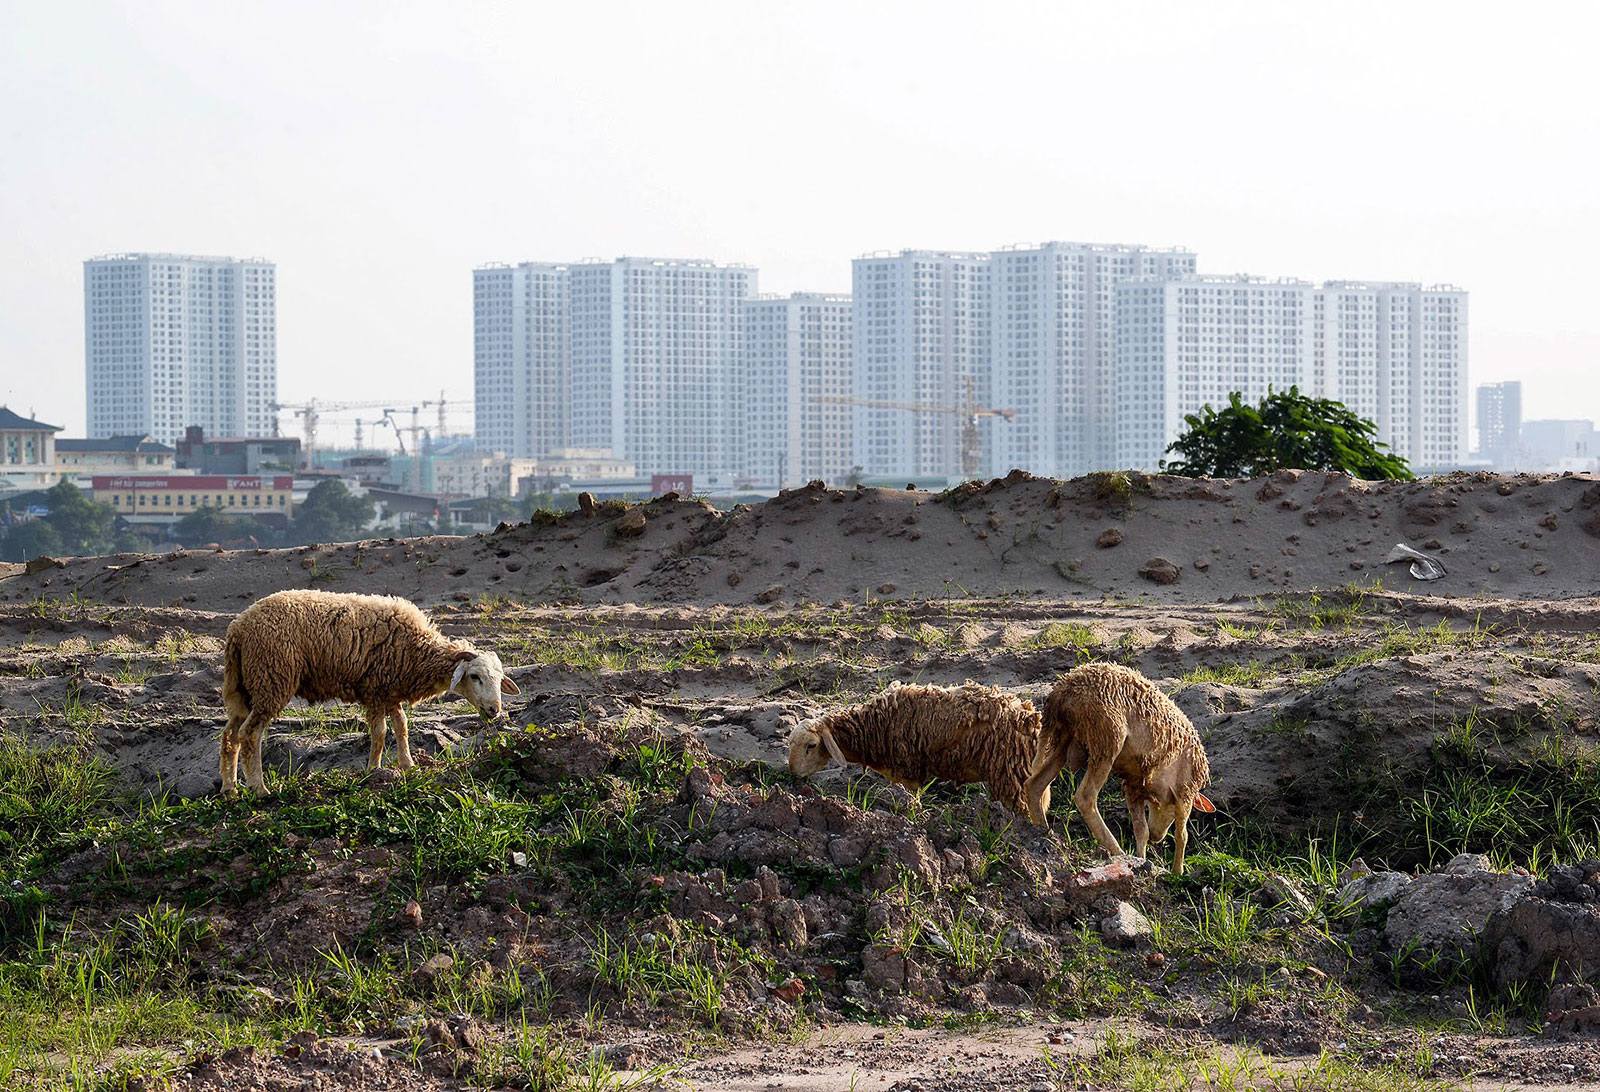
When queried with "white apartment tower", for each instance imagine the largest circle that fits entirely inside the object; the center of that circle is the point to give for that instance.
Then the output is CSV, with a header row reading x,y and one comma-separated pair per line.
x,y
656,363
1393,353
521,358
797,375
921,337
1054,351
173,340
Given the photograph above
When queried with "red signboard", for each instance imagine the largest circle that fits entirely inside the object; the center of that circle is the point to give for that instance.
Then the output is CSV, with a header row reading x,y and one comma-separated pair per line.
x,y
198,483
681,484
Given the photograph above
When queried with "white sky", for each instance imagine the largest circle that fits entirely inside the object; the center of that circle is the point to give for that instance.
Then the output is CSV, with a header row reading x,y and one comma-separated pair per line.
x,y
378,152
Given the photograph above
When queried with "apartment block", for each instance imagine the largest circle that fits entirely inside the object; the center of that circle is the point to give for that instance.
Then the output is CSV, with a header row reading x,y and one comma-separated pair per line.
x,y
797,377
521,358
175,340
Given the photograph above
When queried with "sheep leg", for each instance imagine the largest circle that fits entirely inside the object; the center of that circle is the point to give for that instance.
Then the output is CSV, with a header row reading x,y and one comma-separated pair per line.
x,y
1036,792
397,717
1087,797
253,735
1180,836
228,753
376,733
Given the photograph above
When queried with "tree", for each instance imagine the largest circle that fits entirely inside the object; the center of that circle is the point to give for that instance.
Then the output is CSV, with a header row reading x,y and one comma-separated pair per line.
x,y
1287,430
331,513
85,526
209,523
29,540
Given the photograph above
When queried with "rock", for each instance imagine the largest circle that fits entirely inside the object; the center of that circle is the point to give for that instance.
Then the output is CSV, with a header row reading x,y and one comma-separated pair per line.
x,y
1446,911
411,915
1114,878
734,579
1535,938
430,971
630,524
1161,571
586,503
1202,564
1111,536
1284,894
1124,927
41,563
886,588
769,594
790,991
1376,889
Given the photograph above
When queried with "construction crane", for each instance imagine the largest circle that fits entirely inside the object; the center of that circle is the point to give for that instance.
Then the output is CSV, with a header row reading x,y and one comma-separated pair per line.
x,y
970,411
440,402
416,451
311,412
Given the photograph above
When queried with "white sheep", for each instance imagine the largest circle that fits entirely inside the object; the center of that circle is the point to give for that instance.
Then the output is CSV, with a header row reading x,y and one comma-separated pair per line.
x,y
378,651
916,734
1103,717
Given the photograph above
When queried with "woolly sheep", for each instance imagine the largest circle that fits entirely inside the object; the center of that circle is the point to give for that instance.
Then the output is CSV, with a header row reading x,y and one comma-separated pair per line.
x,y
378,651
1104,717
915,734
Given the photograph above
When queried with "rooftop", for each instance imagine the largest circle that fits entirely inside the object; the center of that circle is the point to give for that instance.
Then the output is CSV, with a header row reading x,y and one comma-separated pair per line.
x,y
135,444
17,421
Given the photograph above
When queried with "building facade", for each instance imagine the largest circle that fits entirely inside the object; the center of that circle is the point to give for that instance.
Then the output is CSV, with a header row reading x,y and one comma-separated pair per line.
x,y
113,455
204,454
521,358
1393,353
920,328
1500,423
27,452
1053,355
797,376
656,363
173,340
166,498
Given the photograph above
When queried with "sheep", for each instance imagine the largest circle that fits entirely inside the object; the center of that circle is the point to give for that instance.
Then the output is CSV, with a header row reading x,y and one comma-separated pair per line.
x,y
1102,717
914,734
375,650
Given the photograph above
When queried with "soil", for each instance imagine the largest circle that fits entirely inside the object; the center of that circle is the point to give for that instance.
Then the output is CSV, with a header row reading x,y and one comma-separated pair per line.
x,y
1306,662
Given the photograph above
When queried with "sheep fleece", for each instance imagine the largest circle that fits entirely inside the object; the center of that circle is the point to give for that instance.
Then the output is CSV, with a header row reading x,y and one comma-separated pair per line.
x,y
375,650
960,734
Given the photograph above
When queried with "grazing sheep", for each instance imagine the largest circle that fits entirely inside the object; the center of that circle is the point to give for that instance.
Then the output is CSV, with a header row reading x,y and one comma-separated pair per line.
x,y
375,650
1104,717
916,734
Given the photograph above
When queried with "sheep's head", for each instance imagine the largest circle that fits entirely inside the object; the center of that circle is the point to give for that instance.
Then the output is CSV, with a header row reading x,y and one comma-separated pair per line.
x,y
810,748
1162,816
480,679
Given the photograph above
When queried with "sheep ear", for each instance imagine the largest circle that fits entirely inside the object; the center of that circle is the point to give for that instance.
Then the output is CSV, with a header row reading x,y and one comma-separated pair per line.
x,y
455,679
1202,804
833,748
508,687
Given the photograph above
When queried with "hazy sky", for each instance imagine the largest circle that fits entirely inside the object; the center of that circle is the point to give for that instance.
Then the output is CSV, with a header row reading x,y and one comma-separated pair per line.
x,y
379,152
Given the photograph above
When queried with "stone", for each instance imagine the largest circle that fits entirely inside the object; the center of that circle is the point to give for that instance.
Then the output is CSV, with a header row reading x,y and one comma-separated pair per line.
x,y
430,971
769,594
1535,939
1114,878
630,524
1111,536
1125,926
1447,911
1375,889
1285,895
586,503
1161,571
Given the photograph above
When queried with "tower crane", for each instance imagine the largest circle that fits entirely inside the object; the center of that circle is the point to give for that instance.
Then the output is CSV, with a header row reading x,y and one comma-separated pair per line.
x,y
970,411
311,412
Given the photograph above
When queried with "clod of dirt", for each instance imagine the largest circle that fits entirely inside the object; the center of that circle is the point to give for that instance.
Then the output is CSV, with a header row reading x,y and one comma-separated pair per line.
x,y
1161,571
630,524
1111,536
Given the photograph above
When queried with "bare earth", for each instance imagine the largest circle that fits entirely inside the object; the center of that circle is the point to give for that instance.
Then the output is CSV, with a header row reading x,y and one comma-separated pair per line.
x,y
1264,606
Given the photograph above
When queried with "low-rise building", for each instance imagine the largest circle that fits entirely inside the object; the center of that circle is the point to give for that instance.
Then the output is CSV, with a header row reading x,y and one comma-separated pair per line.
x,y
27,452
237,454
166,498
114,455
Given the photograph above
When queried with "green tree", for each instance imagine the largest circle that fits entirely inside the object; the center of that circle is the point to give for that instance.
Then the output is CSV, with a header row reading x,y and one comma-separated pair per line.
x,y
331,513
29,540
1287,430
85,526
209,523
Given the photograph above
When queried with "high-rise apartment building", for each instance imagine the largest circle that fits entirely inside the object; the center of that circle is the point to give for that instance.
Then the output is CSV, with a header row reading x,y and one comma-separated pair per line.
x,y
1500,423
797,374
656,363
521,358
1053,354
1393,353
921,333
173,341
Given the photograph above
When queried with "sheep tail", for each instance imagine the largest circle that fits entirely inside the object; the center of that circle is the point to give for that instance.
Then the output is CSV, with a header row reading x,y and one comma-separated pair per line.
x,y
233,676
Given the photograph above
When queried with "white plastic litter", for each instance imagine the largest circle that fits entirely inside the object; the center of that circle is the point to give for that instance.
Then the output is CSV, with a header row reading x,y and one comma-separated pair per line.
x,y
1423,566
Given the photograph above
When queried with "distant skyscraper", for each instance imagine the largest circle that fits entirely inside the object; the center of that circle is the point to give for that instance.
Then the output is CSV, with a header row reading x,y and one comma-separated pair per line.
x,y
1054,351
656,363
921,330
173,341
521,355
1394,353
1500,423
797,354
